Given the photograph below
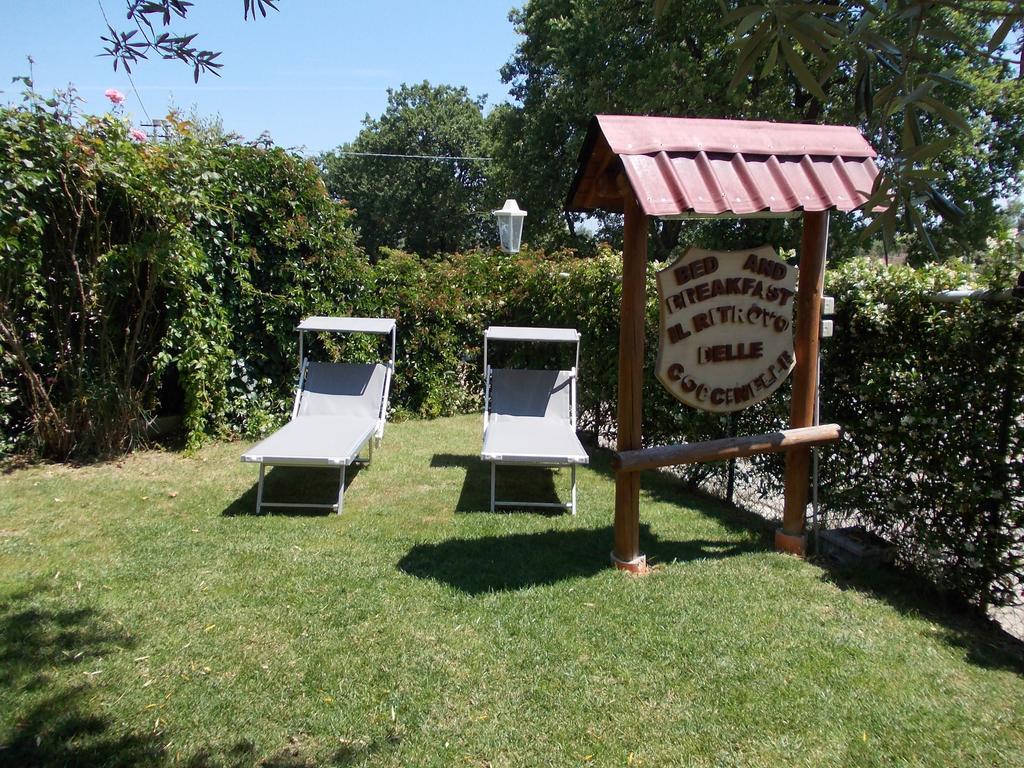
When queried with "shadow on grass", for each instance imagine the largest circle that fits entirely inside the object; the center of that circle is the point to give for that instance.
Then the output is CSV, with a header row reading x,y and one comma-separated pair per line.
x,y
520,483
244,753
294,485
662,487
518,561
58,721
983,642
57,717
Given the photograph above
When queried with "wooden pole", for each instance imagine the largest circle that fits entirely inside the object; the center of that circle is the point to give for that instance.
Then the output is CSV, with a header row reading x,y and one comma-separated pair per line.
x,y
813,247
725,448
632,310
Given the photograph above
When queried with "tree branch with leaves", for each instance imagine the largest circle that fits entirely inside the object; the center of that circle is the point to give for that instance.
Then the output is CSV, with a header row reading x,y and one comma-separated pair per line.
x,y
151,19
892,58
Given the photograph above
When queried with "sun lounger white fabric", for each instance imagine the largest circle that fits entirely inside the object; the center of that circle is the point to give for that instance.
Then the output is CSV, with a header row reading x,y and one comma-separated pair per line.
x,y
349,389
530,418
530,415
339,409
326,441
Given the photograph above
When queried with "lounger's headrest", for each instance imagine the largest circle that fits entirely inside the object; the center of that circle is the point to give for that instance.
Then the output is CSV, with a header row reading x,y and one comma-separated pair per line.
x,y
343,389
524,392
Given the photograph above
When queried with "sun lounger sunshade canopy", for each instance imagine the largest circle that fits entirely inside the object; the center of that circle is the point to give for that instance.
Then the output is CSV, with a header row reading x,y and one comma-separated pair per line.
x,y
514,333
380,325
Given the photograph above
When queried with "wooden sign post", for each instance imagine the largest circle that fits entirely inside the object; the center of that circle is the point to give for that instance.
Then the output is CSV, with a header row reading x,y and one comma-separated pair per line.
x,y
796,442
632,310
813,246
726,336
681,168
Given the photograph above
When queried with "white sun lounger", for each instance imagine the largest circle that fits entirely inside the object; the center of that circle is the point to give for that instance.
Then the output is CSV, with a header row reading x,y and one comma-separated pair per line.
x,y
530,415
339,409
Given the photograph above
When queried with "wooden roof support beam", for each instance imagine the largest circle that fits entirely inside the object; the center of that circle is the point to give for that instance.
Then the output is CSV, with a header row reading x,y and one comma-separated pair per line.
x,y
627,555
813,247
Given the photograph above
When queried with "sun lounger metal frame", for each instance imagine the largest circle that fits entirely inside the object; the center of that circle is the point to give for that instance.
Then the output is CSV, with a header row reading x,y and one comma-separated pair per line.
x,y
525,459
366,432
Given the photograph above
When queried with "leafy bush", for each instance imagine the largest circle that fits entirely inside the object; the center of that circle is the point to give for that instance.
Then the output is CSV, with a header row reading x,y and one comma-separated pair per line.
x,y
932,396
86,258
273,248
132,274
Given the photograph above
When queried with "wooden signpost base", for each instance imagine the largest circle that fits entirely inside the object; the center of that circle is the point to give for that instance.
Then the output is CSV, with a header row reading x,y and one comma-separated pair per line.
x,y
637,565
794,544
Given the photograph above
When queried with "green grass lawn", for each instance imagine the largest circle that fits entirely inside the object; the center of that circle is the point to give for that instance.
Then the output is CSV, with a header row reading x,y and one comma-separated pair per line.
x,y
148,617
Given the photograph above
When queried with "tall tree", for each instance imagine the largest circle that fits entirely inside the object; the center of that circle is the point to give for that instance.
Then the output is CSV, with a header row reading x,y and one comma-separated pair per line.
x,y
582,57
416,175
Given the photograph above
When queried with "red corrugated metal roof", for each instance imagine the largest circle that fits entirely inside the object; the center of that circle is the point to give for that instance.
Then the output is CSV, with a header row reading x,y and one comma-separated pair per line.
x,y
686,167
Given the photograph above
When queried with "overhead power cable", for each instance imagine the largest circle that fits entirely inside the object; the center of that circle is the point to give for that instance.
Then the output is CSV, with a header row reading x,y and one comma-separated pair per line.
x,y
412,157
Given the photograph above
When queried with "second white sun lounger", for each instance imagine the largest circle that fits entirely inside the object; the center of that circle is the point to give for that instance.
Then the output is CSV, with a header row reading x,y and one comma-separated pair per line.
x,y
530,415
339,409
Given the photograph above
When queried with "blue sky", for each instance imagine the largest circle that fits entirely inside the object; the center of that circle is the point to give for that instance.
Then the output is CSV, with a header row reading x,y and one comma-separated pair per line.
x,y
307,74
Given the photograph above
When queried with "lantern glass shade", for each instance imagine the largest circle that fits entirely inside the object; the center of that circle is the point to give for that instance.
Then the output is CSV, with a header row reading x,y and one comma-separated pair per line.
x,y
510,226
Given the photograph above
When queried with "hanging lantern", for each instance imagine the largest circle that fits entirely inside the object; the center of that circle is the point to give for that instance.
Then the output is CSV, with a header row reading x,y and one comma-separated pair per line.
x,y
510,226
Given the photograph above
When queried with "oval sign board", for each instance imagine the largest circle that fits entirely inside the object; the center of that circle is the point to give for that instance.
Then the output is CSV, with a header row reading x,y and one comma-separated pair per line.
x,y
726,327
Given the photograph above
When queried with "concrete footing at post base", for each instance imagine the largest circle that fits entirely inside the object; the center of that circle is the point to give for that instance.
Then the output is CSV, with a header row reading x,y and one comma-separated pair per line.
x,y
793,543
638,565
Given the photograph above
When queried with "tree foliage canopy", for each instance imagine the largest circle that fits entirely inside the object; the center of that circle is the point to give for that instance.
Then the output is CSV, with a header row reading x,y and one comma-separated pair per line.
x,y
422,203
936,83
577,59
691,57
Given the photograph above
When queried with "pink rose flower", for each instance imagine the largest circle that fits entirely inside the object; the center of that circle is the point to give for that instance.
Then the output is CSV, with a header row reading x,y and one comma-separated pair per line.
x,y
137,134
115,96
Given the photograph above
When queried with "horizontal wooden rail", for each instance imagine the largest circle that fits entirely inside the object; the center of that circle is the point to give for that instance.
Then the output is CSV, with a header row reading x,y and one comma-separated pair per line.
x,y
726,448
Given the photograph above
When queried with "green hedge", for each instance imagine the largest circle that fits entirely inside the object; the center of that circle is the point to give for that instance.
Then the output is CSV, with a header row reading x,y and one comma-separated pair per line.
x,y
136,278
444,306
932,396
